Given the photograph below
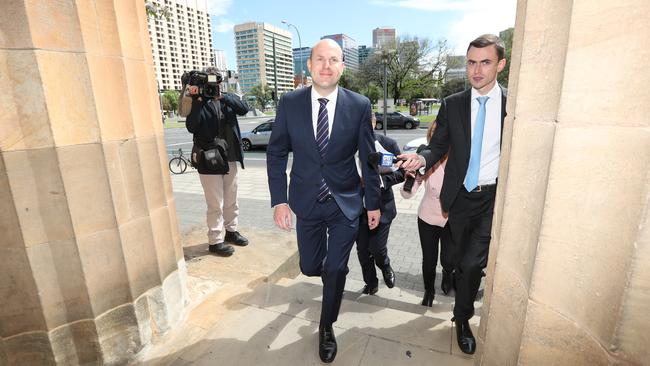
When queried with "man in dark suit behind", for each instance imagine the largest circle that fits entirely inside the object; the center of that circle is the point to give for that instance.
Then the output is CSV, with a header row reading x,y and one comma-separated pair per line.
x,y
470,125
372,245
324,126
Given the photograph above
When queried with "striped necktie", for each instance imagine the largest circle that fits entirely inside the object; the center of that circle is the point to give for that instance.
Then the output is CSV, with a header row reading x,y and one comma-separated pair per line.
x,y
322,139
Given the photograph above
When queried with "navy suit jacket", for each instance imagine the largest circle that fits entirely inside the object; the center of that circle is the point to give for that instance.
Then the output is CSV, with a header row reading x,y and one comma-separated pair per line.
x,y
293,131
453,134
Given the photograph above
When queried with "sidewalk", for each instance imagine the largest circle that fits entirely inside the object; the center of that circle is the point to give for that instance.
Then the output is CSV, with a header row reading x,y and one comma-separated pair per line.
x,y
255,308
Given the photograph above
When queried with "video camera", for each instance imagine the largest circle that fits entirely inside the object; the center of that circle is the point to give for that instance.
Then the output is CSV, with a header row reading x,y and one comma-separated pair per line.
x,y
208,83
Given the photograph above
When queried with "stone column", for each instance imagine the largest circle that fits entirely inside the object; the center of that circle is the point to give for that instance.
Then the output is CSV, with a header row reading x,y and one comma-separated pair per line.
x,y
91,266
568,276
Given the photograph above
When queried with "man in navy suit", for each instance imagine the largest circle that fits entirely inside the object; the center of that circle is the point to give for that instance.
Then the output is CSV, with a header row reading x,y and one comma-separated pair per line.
x,y
324,126
469,128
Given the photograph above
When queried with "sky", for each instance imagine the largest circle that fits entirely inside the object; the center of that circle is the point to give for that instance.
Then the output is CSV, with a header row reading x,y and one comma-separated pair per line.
x,y
457,21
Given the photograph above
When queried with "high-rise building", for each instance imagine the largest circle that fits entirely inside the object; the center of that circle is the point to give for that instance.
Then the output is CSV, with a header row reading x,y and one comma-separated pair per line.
x,y
180,41
220,59
382,37
350,51
300,57
364,53
254,43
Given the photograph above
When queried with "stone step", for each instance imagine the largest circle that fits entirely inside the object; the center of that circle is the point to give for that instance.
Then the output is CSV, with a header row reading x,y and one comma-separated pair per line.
x,y
276,323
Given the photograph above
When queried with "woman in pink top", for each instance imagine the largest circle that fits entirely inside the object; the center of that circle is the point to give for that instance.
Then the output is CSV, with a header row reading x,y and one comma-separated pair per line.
x,y
432,228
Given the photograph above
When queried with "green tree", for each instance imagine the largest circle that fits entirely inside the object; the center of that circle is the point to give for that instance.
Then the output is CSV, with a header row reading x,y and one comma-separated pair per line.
x,y
157,11
373,92
506,36
413,62
170,100
348,81
452,86
263,95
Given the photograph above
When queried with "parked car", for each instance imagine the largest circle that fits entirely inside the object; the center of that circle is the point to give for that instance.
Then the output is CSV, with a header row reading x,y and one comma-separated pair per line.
x,y
413,145
398,120
258,137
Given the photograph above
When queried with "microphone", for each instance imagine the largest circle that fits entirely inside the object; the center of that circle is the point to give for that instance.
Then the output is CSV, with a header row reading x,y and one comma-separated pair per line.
x,y
385,160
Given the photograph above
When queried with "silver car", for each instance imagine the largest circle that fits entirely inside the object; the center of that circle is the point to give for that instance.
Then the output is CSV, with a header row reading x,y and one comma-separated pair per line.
x,y
258,137
413,145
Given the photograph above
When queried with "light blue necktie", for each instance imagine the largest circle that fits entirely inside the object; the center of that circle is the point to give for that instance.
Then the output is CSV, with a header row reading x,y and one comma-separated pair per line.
x,y
471,178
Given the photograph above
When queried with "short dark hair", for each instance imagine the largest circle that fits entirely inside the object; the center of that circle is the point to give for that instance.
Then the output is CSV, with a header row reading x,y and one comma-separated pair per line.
x,y
489,40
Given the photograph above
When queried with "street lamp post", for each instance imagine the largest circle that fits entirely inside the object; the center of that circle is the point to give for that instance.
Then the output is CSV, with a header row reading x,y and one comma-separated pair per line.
x,y
302,72
385,57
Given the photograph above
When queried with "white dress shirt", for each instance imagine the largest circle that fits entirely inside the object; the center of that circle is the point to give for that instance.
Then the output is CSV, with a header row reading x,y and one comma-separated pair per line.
x,y
331,108
491,147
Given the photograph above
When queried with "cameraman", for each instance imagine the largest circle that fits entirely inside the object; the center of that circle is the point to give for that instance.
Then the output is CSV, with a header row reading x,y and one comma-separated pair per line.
x,y
213,120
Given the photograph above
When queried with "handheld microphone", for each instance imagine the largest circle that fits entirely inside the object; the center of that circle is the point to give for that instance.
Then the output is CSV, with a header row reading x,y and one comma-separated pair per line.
x,y
385,160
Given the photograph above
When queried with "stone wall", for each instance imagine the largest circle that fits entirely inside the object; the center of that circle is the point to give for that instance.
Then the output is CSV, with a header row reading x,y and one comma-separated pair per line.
x,y
569,280
91,267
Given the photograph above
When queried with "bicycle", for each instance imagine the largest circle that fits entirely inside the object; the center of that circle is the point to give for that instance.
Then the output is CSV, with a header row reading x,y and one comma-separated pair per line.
x,y
178,164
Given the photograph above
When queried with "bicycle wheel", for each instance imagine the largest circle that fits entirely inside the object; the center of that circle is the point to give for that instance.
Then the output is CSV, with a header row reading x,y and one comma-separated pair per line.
x,y
177,165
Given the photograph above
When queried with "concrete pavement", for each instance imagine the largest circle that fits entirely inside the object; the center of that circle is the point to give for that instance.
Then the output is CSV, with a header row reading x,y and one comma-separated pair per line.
x,y
254,307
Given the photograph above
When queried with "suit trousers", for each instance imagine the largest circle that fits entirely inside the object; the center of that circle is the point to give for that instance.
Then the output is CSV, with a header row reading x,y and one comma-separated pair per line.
x,y
470,221
372,249
430,236
220,192
325,239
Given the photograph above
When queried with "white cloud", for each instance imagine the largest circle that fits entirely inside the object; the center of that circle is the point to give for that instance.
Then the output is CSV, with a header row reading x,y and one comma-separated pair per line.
x,y
436,5
218,7
224,25
475,22
476,17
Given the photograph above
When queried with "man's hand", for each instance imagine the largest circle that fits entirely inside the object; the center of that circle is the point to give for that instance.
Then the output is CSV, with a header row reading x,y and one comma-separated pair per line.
x,y
373,218
282,216
410,161
193,90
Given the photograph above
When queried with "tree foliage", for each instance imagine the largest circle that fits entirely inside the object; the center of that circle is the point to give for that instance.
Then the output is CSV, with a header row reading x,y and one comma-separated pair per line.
x,y
170,100
415,68
263,95
452,86
157,11
506,36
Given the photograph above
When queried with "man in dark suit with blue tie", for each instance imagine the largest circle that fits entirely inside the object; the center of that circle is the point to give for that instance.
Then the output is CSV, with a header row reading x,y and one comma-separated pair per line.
x,y
324,126
469,127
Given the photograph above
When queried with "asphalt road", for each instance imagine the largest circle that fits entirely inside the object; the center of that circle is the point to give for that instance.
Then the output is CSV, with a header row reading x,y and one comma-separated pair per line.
x,y
179,138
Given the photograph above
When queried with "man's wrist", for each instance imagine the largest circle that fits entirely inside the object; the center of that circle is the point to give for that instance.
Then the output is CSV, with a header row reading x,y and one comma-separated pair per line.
x,y
280,204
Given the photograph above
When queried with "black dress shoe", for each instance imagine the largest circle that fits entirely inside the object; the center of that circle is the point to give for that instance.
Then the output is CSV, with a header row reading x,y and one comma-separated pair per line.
x,y
326,343
427,300
447,283
221,249
370,290
236,238
464,336
389,276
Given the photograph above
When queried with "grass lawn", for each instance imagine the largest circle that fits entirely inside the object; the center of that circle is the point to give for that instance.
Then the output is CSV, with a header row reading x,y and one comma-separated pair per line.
x,y
170,123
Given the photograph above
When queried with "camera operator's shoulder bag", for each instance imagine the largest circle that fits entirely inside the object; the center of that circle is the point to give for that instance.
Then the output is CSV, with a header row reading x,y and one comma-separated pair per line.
x,y
210,158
